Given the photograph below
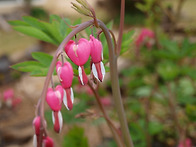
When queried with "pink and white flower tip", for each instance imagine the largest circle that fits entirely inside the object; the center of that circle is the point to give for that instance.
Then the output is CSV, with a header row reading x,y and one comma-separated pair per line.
x,y
54,99
36,126
65,74
79,53
8,96
98,68
48,142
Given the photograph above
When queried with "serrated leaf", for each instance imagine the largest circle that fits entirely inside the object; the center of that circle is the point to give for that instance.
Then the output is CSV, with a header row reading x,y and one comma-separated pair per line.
x,y
43,58
34,32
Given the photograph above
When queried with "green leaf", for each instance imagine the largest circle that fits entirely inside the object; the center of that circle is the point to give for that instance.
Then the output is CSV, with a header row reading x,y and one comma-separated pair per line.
x,y
54,30
34,32
110,25
34,22
75,138
191,112
168,70
144,91
18,23
27,66
43,58
69,116
155,128
36,68
186,87
126,41
63,27
54,17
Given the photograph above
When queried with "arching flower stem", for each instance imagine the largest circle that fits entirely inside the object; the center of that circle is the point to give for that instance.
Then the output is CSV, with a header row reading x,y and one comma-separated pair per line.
x,y
40,105
116,88
114,130
114,79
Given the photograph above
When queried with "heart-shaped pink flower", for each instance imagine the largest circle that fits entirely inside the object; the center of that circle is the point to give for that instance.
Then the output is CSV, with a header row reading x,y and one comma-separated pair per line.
x,y
65,74
79,53
98,68
54,98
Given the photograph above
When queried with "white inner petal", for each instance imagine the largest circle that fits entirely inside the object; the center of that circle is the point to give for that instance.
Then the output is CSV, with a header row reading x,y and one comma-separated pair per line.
x,y
60,120
80,75
95,71
35,141
72,95
102,70
59,73
53,118
58,94
65,100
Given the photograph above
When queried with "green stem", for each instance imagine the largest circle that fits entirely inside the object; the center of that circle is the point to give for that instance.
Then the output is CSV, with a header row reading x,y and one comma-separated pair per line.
x,y
116,88
120,34
113,129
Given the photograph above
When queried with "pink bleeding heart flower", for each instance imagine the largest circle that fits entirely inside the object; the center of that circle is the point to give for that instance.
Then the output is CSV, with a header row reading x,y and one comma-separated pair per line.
x,y
36,126
8,96
145,35
65,74
79,53
48,142
54,99
96,58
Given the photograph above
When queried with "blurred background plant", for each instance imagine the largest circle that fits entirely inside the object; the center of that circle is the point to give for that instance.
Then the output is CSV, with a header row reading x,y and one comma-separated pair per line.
x,y
157,85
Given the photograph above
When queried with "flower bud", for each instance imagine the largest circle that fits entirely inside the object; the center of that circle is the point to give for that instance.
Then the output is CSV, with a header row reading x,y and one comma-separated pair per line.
x,y
96,58
37,124
48,142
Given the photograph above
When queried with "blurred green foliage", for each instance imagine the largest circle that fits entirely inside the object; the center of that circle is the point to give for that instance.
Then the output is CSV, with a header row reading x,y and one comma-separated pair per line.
x,y
75,138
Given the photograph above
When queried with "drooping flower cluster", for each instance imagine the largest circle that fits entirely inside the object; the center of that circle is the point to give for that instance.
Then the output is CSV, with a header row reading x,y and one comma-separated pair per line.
x,y
47,141
79,53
